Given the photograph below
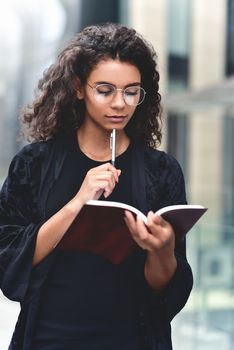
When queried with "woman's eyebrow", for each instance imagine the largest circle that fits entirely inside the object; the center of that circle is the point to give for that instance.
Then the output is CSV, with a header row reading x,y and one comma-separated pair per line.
x,y
137,83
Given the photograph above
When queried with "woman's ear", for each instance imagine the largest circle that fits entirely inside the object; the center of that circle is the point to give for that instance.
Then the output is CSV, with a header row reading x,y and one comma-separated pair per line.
x,y
79,89
79,94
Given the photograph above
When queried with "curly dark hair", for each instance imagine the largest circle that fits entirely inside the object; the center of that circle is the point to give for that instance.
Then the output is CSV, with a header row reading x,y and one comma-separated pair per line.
x,y
56,109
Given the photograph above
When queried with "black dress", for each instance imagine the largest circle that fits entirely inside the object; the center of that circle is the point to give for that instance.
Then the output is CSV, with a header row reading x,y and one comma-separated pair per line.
x,y
33,190
88,302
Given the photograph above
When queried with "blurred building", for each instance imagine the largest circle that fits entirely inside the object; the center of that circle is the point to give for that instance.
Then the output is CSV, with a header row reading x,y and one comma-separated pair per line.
x,y
194,40
195,44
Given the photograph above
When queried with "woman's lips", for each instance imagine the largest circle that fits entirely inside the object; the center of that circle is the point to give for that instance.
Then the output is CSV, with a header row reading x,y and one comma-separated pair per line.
x,y
116,118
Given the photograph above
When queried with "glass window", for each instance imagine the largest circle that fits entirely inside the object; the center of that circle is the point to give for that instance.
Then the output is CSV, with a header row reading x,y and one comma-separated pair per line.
x,y
178,44
230,38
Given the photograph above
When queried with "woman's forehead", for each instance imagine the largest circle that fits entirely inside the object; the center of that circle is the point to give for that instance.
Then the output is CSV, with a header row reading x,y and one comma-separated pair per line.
x,y
115,71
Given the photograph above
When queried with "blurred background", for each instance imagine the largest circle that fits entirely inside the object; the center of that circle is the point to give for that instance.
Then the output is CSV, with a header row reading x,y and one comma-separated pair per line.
x,y
194,40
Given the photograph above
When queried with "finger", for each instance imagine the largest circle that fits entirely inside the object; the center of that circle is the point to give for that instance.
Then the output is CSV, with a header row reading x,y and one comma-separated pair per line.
x,y
153,218
140,233
102,176
154,224
98,194
108,166
135,234
101,187
130,221
109,187
105,176
132,226
157,223
143,232
151,238
162,231
135,224
115,172
106,186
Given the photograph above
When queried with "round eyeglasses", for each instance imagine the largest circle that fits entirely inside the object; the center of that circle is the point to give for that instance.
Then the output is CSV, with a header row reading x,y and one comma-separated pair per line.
x,y
105,93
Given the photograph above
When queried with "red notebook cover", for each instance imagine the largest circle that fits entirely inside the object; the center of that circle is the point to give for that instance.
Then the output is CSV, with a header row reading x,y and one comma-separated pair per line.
x,y
100,230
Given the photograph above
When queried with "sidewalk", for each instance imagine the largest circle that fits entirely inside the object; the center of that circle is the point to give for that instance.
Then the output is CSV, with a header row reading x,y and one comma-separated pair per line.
x,y
8,314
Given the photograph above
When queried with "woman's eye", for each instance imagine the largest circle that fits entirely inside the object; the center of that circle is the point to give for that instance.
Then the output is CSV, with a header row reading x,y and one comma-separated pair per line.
x,y
131,92
106,93
104,90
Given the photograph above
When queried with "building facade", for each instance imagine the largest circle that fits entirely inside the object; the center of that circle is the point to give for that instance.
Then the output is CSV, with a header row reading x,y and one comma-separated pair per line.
x,y
194,41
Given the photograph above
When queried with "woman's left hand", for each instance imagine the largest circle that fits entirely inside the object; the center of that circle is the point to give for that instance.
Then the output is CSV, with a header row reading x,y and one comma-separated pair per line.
x,y
157,236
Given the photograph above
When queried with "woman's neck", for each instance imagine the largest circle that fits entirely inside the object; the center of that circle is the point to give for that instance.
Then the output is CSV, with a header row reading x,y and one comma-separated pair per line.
x,y
97,146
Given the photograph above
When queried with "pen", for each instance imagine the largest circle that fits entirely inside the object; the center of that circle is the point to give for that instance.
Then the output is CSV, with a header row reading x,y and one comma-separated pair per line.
x,y
113,146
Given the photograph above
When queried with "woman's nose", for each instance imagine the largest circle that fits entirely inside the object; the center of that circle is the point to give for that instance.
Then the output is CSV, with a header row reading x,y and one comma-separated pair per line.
x,y
118,99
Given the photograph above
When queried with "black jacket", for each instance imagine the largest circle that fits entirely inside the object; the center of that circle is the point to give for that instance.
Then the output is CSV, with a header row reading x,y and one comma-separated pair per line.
x,y
32,174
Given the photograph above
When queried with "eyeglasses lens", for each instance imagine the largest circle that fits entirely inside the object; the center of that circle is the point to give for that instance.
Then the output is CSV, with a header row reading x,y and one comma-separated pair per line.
x,y
133,95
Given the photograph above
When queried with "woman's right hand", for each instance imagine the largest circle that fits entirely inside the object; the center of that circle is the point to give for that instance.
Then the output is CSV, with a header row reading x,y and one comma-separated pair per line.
x,y
99,180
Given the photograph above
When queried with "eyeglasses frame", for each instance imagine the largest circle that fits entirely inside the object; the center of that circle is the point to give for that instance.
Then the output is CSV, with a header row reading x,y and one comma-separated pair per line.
x,y
94,88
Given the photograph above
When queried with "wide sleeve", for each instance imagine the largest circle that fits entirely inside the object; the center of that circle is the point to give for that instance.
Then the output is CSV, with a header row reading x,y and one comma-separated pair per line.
x,y
178,290
166,186
18,229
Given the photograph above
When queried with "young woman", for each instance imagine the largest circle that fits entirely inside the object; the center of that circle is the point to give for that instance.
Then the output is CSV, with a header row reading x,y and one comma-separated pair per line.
x,y
105,79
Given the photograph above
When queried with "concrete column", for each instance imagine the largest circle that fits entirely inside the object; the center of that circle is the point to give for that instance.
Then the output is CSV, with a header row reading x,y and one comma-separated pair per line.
x,y
150,19
207,67
207,60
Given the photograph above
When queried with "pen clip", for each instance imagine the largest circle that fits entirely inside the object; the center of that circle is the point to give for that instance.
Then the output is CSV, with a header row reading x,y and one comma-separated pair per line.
x,y
113,146
111,140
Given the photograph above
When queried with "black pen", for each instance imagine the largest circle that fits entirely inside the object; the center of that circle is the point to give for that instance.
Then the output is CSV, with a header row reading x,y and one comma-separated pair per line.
x,y
113,146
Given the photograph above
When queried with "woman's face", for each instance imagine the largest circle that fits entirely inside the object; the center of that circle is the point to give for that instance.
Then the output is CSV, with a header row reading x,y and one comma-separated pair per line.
x,y
107,108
